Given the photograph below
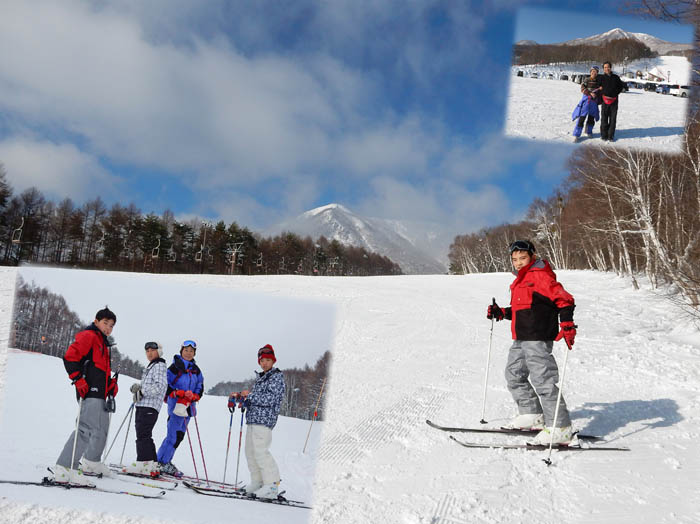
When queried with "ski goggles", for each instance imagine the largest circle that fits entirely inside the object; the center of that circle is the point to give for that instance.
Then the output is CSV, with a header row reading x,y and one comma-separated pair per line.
x,y
521,245
265,351
190,343
151,345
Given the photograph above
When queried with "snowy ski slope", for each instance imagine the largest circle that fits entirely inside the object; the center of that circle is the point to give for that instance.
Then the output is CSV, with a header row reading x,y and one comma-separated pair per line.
x,y
414,347
540,109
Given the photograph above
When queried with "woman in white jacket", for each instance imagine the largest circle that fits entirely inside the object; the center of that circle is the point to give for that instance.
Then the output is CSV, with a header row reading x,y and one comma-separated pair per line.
x,y
148,398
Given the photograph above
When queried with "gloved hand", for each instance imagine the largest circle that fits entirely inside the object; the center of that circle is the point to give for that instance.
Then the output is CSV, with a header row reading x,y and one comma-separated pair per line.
x,y
195,397
188,395
178,393
231,403
567,331
136,390
112,387
82,387
495,312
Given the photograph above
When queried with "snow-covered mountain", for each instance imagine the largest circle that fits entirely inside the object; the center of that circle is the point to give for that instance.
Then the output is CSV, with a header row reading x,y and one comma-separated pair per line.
x,y
661,47
418,248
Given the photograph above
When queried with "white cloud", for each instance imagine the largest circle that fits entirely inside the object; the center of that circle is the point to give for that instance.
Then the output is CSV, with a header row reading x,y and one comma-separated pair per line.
x,y
57,170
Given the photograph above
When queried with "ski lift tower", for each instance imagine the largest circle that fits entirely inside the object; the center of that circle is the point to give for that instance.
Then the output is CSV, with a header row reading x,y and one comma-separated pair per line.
x,y
199,255
235,250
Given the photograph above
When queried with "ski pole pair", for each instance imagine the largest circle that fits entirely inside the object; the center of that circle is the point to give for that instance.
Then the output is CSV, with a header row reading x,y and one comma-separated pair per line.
x,y
204,463
232,408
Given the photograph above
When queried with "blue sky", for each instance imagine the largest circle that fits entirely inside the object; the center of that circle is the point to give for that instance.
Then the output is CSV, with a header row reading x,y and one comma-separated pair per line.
x,y
258,111
547,26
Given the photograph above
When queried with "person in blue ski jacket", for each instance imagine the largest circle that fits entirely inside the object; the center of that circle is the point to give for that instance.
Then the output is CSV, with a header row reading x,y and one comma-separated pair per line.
x,y
263,404
587,111
185,388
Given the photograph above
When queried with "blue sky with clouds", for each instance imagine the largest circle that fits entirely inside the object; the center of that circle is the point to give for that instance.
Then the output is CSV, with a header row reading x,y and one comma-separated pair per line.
x,y
258,111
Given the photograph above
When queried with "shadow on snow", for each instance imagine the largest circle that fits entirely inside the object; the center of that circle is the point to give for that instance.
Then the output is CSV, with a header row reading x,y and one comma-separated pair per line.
x,y
606,418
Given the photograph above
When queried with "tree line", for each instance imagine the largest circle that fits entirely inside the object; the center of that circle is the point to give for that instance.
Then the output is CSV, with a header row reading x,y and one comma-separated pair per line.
x,y
302,391
616,51
42,322
635,212
92,236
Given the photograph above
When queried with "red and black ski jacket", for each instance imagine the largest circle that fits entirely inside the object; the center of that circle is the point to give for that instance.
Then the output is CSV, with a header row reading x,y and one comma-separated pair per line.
x,y
538,302
89,356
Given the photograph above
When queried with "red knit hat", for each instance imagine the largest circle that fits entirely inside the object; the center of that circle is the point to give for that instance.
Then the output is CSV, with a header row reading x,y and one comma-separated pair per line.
x,y
266,351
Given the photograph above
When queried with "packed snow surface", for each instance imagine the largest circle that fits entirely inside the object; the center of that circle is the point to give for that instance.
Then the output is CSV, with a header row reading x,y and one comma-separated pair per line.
x,y
412,348
541,109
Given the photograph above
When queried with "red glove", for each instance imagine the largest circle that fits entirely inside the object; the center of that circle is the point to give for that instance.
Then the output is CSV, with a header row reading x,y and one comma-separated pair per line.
x,y
567,332
177,393
113,387
195,397
188,395
82,387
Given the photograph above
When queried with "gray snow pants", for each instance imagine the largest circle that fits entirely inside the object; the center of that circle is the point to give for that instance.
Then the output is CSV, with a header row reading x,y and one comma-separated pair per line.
x,y
92,434
533,359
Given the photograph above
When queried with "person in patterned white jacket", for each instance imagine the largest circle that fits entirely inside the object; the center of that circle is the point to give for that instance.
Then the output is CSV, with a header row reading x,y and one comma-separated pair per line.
x,y
263,406
148,398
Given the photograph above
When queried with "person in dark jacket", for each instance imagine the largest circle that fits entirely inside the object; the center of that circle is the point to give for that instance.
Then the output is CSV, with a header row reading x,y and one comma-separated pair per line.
x,y
612,87
263,404
541,312
587,109
185,388
88,364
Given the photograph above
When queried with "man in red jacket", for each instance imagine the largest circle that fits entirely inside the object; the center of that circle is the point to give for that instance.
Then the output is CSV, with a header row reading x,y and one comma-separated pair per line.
x,y
88,363
541,312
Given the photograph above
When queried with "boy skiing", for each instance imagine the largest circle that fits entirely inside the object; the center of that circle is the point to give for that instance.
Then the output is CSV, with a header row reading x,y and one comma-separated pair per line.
x,y
263,406
537,301
148,398
88,363
185,388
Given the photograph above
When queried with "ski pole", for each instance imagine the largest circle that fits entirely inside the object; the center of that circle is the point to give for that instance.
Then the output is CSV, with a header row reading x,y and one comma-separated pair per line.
x,y
548,460
75,438
228,442
192,451
318,400
240,437
118,431
488,362
201,449
126,436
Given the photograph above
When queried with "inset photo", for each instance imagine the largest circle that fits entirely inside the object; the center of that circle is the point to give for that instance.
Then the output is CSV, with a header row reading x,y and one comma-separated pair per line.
x,y
163,397
582,77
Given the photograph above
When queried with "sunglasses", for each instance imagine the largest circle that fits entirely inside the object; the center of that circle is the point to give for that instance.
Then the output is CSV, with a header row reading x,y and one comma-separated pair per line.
x,y
151,345
521,245
190,343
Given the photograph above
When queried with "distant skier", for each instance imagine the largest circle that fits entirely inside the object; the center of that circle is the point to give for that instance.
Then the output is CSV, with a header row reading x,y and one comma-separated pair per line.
x,y
185,388
88,363
263,404
148,398
612,87
587,109
537,300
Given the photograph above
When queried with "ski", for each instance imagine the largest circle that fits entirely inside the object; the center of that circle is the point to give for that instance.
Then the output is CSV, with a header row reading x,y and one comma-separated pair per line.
x,y
48,483
146,480
280,500
505,431
536,447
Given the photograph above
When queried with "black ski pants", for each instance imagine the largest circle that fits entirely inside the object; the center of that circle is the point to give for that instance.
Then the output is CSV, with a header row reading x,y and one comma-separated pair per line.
x,y
145,420
608,119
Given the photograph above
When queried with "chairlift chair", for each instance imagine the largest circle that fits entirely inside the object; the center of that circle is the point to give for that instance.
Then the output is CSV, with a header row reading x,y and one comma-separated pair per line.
x,y
17,233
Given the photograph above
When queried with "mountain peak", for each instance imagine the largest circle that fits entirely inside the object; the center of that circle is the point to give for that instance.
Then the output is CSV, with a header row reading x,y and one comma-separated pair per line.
x,y
328,207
